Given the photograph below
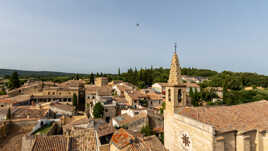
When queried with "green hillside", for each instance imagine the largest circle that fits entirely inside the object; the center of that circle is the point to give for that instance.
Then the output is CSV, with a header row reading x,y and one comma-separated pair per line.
x,y
24,73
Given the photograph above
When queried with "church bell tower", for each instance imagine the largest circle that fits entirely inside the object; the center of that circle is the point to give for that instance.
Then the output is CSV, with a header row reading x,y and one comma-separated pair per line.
x,y
176,90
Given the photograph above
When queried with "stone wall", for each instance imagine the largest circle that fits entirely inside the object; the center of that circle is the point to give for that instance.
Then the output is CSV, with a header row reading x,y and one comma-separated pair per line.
x,y
101,81
263,141
28,142
243,141
198,136
155,120
22,123
138,124
229,140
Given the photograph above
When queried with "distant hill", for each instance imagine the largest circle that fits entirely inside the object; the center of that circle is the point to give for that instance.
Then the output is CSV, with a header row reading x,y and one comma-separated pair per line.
x,y
24,73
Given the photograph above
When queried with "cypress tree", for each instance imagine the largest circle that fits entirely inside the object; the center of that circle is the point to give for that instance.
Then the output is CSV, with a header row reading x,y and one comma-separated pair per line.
x,y
14,81
9,114
119,73
75,101
91,78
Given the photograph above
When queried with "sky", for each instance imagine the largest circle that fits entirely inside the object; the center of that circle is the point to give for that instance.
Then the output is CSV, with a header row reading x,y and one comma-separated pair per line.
x,y
87,36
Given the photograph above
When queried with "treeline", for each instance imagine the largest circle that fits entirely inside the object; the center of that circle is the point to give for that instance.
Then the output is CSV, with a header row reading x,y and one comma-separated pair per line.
x,y
236,80
234,83
232,97
198,72
145,77
26,74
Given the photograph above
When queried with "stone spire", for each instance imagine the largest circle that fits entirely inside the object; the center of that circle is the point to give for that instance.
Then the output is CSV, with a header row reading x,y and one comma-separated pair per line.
x,y
175,71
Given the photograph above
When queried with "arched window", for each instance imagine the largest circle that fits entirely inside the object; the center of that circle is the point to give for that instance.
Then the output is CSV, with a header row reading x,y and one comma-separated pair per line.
x,y
169,95
179,96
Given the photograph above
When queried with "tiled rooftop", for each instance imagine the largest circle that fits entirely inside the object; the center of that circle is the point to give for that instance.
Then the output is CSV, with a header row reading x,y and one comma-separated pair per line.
x,y
124,119
192,85
79,121
91,89
103,128
136,95
154,143
242,117
123,88
121,100
105,91
102,91
130,141
84,140
24,112
154,96
61,106
20,98
50,143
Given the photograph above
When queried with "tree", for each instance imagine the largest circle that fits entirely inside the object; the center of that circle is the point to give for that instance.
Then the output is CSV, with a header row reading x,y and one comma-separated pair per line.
x,y
75,101
98,110
14,81
3,91
196,98
191,93
143,103
91,78
163,108
119,73
8,114
76,77
146,131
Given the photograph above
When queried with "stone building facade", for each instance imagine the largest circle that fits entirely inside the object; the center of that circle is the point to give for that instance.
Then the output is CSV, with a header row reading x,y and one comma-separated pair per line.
x,y
220,128
101,81
38,92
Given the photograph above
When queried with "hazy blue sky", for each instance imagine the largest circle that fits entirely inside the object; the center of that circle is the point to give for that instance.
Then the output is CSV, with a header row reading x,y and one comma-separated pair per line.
x,y
101,35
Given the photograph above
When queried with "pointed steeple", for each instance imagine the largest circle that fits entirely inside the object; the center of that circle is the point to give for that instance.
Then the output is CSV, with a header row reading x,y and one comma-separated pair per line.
x,y
175,71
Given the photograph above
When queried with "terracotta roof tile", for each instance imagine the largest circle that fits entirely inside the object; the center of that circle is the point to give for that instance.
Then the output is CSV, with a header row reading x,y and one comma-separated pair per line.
x,y
28,112
61,106
130,141
242,117
103,128
50,143
124,119
84,139
154,96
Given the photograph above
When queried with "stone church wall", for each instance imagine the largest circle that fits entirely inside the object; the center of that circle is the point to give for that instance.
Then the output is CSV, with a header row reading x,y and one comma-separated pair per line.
x,y
201,136
263,141
229,141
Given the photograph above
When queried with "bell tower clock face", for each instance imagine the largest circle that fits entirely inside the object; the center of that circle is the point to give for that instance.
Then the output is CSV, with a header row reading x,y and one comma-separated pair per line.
x,y
185,141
